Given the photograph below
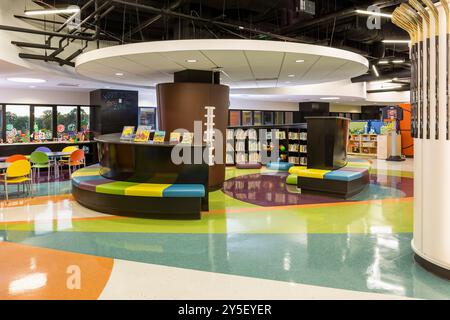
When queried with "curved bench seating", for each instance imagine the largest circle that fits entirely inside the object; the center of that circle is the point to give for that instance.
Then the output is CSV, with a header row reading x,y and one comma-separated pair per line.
x,y
346,181
106,195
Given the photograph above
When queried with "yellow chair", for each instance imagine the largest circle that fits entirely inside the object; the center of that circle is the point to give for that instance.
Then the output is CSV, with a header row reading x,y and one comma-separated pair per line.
x,y
19,172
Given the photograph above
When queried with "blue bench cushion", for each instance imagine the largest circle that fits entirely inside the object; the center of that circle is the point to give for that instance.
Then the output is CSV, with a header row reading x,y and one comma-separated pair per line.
x,y
343,175
184,191
281,166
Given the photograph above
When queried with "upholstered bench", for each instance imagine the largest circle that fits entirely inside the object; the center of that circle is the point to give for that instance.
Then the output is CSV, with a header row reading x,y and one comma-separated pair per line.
x,y
280,166
121,197
248,165
346,181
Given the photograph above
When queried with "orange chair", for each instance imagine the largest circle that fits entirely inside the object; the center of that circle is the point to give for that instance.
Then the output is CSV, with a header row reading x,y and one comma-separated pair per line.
x,y
15,158
76,160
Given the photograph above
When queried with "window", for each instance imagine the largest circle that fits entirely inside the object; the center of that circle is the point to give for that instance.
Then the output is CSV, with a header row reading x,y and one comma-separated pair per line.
x,y
268,117
67,119
235,118
279,117
289,118
17,122
247,118
43,123
85,113
147,117
257,118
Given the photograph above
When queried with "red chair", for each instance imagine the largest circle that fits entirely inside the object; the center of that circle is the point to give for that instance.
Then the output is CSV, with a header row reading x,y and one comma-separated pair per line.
x,y
15,157
76,160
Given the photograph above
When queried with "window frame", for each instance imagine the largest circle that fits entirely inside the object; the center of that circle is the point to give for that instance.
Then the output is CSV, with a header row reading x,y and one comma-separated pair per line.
x,y
54,116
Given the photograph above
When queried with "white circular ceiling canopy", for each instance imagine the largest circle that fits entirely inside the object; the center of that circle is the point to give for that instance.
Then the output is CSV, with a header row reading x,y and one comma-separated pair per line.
x,y
244,63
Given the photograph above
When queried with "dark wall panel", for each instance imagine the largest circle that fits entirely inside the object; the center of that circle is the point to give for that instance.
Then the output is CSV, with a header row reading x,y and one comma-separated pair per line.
x,y
114,109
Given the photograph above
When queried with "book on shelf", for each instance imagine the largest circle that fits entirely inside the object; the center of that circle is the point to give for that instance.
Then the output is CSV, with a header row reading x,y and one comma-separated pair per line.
x,y
252,134
253,146
240,134
187,138
254,157
230,134
293,147
127,133
175,137
159,136
142,134
240,146
294,160
303,136
230,158
293,135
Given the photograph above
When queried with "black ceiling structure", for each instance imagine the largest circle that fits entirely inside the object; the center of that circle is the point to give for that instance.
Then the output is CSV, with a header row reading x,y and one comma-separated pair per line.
x,y
329,23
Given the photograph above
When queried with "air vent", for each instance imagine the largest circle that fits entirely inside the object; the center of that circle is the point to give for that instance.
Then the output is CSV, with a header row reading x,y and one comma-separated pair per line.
x,y
63,84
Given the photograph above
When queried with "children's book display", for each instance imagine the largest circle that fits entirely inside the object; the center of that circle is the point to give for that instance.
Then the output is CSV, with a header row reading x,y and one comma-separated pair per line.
x,y
142,134
188,137
127,133
159,136
175,137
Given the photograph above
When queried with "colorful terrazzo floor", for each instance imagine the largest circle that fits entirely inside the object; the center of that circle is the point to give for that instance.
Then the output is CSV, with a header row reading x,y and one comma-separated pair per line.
x,y
259,233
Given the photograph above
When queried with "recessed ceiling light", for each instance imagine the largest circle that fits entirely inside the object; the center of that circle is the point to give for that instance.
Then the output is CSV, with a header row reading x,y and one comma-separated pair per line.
x,y
383,62
119,74
191,61
51,11
330,98
32,87
291,75
26,80
398,61
299,61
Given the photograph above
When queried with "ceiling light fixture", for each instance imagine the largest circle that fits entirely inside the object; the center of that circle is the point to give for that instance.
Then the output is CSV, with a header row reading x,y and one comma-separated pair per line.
x,y
51,11
374,13
299,61
119,74
26,80
191,61
383,62
330,98
396,41
375,70
398,61
291,75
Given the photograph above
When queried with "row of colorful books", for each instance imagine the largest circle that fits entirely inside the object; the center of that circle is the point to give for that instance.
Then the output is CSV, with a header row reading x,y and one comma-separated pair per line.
x,y
143,135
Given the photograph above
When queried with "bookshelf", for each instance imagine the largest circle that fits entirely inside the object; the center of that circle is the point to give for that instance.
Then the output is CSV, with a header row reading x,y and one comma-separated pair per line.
x,y
243,143
363,144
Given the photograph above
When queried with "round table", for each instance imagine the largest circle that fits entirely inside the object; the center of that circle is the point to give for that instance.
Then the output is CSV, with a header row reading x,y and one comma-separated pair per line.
x,y
53,156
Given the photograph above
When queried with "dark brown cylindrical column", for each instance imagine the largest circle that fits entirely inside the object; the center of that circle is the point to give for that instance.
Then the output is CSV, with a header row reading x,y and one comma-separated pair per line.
x,y
180,104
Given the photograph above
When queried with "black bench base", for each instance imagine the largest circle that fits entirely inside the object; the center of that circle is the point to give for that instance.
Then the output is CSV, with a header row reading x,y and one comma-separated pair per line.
x,y
147,207
337,188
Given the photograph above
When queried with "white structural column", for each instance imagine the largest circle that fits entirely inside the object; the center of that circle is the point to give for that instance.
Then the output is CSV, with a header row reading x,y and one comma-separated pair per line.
x,y
431,241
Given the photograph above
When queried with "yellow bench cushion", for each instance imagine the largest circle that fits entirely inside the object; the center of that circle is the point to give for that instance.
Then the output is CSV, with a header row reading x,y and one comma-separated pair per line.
x,y
313,173
146,190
